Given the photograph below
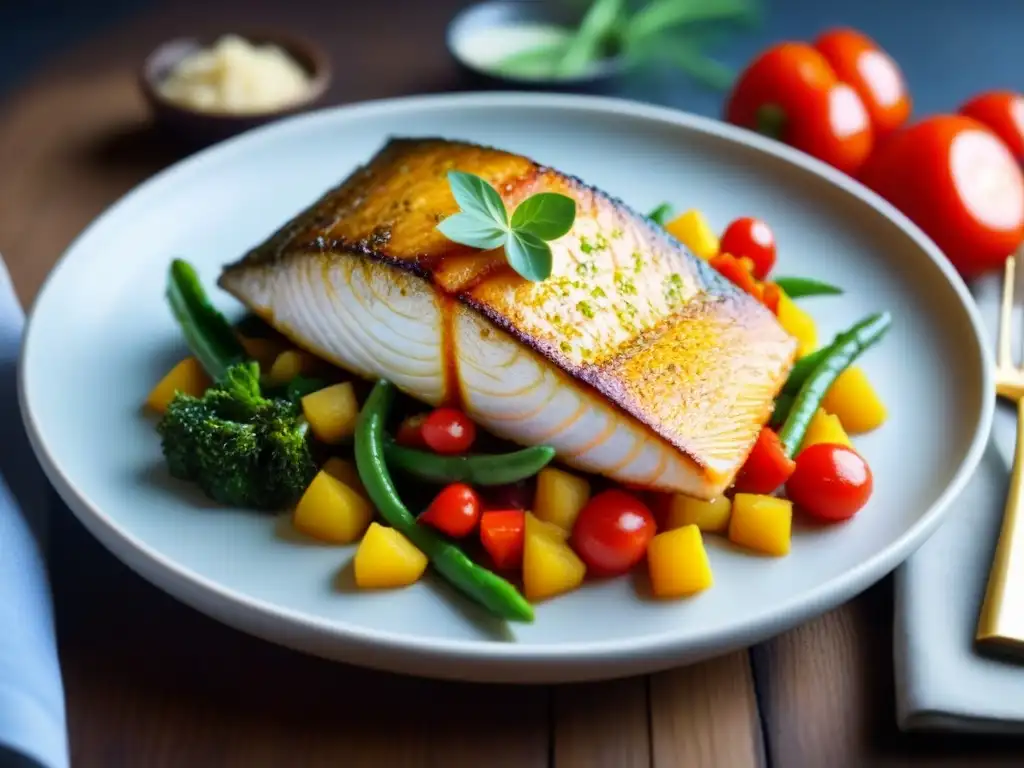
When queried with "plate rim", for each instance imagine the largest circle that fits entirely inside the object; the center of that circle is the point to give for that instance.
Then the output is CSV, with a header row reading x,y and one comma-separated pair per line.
x,y
486,660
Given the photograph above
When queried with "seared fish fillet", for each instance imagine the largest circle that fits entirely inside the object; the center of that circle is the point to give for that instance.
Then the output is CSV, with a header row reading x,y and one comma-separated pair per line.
x,y
634,360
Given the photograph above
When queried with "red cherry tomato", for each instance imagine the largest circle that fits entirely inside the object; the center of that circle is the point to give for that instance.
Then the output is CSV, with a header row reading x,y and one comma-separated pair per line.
x,y
410,432
502,534
767,467
750,238
612,532
959,183
830,482
1003,113
454,511
857,60
791,93
448,431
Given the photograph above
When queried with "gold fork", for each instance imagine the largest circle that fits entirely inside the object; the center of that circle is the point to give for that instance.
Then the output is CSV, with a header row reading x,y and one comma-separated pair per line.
x,y
1001,624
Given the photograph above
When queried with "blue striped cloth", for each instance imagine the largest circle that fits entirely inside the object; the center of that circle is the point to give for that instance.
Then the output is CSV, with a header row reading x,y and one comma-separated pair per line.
x,y
32,720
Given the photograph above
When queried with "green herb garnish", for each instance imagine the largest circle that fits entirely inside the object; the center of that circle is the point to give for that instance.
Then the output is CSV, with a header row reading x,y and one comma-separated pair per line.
x,y
673,32
798,287
483,222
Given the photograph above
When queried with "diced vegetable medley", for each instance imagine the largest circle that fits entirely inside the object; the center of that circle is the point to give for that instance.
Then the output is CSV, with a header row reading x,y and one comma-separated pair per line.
x,y
254,421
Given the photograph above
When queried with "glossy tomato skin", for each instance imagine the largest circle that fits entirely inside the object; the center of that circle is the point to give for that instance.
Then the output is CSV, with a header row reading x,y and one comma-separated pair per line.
x,y
751,238
791,93
831,482
448,431
455,511
612,532
859,61
957,181
1003,113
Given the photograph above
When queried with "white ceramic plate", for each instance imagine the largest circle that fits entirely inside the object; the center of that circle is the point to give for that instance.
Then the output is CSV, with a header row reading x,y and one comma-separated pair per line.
x,y
100,335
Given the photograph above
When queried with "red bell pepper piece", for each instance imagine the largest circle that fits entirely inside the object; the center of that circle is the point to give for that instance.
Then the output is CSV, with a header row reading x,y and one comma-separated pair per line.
x,y
733,270
767,467
502,533
770,294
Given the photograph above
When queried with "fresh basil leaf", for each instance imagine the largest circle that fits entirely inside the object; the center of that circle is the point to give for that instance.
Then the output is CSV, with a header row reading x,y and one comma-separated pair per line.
x,y
548,215
474,195
798,287
528,255
472,230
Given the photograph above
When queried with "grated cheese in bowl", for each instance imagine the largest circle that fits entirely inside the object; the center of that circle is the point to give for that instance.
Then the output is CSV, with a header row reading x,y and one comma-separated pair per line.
x,y
236,76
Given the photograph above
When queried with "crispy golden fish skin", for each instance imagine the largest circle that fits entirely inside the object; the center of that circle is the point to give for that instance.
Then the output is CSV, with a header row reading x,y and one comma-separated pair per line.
x,y
634,360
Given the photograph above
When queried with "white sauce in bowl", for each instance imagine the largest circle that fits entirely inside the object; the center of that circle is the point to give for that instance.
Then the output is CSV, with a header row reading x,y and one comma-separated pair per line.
x,y
527,50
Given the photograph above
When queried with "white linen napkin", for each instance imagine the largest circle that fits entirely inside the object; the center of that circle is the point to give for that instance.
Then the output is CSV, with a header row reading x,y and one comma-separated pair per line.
x,y
32,720
941,682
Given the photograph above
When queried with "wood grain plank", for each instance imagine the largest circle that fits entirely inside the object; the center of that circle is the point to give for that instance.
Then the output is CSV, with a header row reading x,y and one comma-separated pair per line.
x,y
827,698
706,716
601,725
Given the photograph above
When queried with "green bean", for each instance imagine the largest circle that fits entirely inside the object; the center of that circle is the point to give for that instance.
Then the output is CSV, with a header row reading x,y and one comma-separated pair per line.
x,y
798,287
803,368
660,214
483,586
478,469
783,404
844,350
208,333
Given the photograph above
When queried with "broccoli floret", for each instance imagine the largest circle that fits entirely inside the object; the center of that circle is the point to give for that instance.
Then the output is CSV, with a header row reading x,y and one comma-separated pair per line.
x,y
239,447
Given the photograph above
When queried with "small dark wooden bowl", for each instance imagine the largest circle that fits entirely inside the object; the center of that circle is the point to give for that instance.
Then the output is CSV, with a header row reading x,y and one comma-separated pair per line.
x,y
201,127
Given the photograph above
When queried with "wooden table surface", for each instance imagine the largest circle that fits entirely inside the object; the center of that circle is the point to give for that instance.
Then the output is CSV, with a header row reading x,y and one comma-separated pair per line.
x,y
151,682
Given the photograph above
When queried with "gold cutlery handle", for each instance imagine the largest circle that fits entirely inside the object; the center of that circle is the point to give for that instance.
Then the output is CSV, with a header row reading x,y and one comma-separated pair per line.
x,y
1001,624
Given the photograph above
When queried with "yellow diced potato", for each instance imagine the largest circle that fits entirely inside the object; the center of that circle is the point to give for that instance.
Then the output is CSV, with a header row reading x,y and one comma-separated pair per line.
x,y
346,472
693,231
387,559
187,377
761,523
559,497
289,364
332,511
551,530
852,398
263,351
709,516
798,324
550,567
332,412
678,563
825,428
